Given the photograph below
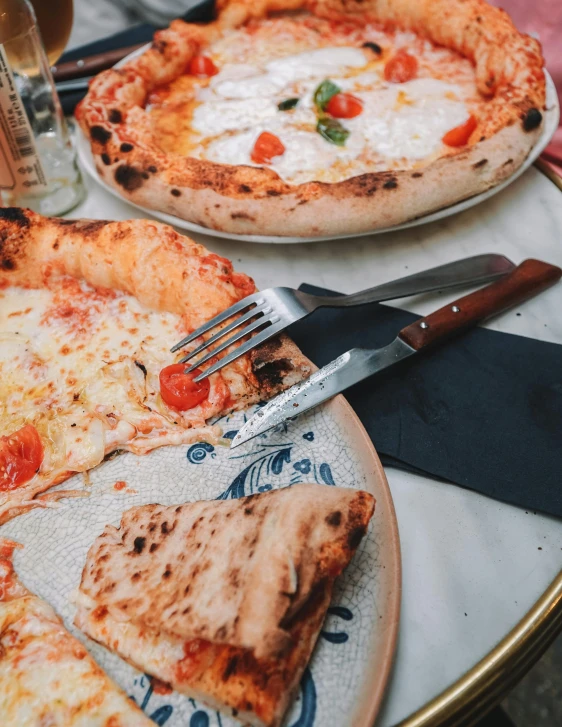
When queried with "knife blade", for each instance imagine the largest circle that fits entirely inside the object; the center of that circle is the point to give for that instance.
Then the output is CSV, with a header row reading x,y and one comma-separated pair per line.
x,y
348,369
528,279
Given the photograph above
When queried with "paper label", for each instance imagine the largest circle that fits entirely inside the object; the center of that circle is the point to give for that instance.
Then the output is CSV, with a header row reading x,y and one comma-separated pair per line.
x,y
20,165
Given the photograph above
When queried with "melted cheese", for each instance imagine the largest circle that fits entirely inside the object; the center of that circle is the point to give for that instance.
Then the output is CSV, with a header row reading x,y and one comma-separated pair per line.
x,y
73,362
48,678
400,125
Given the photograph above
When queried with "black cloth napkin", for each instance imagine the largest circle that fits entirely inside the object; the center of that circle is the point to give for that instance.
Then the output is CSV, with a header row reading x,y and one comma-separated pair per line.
x,y
483,411
141,33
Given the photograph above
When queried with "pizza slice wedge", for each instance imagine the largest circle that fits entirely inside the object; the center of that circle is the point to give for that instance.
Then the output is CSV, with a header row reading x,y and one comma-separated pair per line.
x,y
224,599
88,312
47,676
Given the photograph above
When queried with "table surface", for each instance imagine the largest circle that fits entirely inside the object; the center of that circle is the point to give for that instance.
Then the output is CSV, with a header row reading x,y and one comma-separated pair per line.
x,y
472,567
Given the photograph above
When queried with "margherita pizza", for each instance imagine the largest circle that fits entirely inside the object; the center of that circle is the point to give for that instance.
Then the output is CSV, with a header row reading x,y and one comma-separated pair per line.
x,y
224,600
88,313
319,117
47,678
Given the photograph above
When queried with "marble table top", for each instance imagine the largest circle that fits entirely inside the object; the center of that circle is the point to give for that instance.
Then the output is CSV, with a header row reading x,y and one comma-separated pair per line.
x,y
472,567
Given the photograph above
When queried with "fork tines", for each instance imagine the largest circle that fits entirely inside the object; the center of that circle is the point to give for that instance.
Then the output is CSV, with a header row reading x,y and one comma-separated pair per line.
x,y
259,314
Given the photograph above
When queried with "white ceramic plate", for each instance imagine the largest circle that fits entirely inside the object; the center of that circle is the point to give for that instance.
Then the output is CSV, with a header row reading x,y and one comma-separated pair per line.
x,y
344,683
552,117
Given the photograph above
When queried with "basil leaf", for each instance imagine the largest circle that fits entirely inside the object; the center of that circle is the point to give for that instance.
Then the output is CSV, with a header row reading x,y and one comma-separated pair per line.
x,y
324,93
287,104
332,131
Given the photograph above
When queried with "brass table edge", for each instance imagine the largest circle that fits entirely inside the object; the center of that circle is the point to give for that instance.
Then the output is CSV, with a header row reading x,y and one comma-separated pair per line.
x,y
482,687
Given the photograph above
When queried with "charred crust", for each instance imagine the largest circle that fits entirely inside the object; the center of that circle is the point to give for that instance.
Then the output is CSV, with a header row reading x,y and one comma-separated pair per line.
x,y
130,178
115,116
175,192
8,264
99,134
15,215
244,188
126,147
507,163
375,47
106,159
241,216
355,536
231,667
273,193
145,175
142,367
532,119
480,164
138,544
417,175
160,45
248,510
153,547
334,519
164,528
167,573
84,227
391,183
152,169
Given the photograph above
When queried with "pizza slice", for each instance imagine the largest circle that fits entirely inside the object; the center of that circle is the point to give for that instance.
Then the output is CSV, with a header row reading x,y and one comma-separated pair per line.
x,y
318,117
224,599
88,312
47,676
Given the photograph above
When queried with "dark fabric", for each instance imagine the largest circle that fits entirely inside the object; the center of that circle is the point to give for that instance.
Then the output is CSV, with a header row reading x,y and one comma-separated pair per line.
x,y
132,36
483,411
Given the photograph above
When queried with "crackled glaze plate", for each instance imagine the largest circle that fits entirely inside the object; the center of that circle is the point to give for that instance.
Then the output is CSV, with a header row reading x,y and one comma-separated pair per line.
x,y
344,682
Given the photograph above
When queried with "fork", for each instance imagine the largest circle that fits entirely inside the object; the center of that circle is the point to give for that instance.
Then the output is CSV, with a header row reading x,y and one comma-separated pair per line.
x,y
278,308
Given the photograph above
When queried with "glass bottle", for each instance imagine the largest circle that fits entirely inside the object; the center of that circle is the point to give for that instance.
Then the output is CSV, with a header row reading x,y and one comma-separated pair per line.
x,y
37,161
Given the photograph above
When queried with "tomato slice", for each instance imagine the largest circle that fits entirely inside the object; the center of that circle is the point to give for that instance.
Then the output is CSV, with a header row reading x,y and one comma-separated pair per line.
x,y
401,67
460,135
266,147
344,106
202,66
21,454
179,391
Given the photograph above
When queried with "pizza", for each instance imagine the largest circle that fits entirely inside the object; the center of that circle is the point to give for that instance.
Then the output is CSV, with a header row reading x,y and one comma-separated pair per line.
x,y
47,677
88,313
318,117
223,600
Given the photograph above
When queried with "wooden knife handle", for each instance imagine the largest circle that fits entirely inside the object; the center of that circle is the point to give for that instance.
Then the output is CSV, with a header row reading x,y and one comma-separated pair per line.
x,y
90,65
528,279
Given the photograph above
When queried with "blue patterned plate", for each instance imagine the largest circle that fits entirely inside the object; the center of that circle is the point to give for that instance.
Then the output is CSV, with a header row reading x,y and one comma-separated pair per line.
x,y
344,682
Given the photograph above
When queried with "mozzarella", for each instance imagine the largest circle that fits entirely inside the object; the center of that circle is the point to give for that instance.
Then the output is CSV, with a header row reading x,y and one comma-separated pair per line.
x,y
72,363
400,123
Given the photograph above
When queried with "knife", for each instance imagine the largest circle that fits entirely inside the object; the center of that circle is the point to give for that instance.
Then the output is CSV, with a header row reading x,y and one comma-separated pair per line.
x,y
525,281
91,64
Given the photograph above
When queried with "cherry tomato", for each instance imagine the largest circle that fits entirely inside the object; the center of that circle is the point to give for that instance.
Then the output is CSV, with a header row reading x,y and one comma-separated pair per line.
x,y
202,66
21,454
266,147
179,391
401,67
460,135
344,106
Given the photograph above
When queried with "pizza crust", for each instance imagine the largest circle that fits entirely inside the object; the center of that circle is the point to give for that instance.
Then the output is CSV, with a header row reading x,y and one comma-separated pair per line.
x,y
165,272
223,600
250,200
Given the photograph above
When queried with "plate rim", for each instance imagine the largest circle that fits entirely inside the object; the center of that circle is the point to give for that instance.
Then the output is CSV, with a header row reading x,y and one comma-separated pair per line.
x,y
551,116
377,671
